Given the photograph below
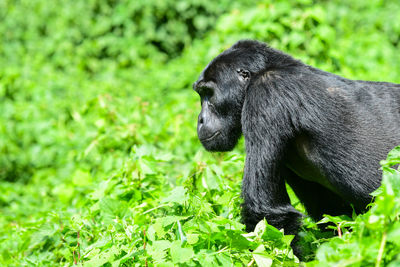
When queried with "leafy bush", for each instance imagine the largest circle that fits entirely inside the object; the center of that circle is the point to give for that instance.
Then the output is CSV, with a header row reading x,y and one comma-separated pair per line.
x,y
51,49
99,159
371,238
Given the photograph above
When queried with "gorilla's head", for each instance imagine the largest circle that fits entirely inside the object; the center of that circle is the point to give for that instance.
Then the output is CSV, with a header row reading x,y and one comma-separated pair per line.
x,y
222,86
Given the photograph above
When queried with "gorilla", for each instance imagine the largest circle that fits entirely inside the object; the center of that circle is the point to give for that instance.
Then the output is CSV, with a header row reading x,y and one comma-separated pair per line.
x,y
322,134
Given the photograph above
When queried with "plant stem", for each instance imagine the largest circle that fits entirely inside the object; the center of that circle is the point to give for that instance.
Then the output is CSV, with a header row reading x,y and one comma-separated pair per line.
x,y
381,249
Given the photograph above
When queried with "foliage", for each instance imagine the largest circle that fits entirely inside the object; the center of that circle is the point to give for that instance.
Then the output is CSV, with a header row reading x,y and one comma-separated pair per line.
x,y
99,159
371,238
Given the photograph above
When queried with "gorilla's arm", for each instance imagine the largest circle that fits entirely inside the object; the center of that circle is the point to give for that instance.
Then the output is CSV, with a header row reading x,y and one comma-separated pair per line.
x,y
266,129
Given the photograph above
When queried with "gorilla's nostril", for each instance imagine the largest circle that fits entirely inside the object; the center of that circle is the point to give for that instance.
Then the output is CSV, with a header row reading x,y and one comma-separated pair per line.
x,y
201,120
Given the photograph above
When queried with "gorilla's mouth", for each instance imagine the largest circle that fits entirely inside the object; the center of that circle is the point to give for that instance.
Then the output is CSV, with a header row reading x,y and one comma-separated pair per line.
x,y
211,137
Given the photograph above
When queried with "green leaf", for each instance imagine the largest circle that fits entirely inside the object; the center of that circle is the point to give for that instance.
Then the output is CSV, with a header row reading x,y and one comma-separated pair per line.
x,y
103,257
237,240
261,257
394,233
81,178
177,195
145,166
158,249
179,254
210,179
272,234
260,228
192,238
111,209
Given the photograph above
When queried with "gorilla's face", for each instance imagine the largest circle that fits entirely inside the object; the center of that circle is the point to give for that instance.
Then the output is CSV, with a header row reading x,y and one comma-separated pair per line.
x,y
221,87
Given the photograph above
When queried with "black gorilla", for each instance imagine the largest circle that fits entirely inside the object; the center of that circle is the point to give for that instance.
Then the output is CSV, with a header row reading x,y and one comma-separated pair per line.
x,y
321,133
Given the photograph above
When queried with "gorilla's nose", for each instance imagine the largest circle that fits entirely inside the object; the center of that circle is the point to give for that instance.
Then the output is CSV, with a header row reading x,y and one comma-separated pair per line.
x,y
201,120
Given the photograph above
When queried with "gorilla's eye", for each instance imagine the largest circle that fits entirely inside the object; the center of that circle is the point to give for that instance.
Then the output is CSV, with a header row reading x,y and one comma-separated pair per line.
x,y
244,73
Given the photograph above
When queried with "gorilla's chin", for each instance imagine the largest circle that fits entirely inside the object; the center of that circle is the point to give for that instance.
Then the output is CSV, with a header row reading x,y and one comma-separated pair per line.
x,y
217,147
219,143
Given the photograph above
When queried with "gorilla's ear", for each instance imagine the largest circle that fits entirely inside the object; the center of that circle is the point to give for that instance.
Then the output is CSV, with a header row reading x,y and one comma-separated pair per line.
x,y
244,75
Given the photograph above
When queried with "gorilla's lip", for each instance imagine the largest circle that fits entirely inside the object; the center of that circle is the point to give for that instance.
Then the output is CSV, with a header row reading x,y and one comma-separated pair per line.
x,y
211,137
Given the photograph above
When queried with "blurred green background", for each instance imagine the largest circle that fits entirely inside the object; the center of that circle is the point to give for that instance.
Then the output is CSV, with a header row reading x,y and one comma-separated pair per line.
x,y
99,158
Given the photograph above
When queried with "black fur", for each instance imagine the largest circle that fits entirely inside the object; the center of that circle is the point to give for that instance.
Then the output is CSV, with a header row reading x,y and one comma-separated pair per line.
x,y
321,133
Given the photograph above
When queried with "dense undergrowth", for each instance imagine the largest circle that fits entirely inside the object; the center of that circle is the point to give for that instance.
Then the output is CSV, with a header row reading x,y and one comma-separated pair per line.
x,y
99,159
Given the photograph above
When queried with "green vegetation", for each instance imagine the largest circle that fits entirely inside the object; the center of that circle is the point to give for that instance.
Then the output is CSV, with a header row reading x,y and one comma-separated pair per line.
x,y
99,159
